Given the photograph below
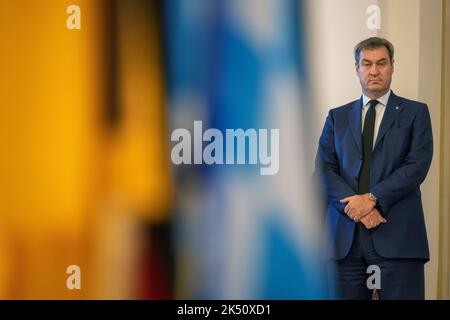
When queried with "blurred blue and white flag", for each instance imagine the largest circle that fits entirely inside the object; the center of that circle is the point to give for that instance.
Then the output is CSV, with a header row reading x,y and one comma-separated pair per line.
x,y
242,235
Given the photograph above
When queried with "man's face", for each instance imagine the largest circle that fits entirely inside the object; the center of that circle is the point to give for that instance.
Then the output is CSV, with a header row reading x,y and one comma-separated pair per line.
x,y
375,70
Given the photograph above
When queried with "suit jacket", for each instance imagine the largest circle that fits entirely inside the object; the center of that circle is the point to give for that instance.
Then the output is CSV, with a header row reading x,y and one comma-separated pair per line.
x,y
401,158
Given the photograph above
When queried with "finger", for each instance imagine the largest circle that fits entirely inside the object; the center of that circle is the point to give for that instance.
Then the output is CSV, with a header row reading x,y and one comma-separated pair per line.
x,y
373,221
380,219
345,199
368,224
357,216
367,213
346,209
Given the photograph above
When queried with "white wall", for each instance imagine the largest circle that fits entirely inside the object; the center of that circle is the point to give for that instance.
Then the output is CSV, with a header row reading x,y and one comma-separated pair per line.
x,y
401,25
413,26
334,27
430,92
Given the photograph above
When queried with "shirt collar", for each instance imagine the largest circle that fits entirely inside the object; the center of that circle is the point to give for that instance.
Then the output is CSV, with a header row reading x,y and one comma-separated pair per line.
x,y
383,100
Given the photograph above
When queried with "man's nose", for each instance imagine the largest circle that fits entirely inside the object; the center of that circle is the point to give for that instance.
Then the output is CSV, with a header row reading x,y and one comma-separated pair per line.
x,y
373,70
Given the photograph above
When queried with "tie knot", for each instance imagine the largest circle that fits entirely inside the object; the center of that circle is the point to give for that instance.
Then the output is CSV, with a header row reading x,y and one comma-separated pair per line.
x,y
373,103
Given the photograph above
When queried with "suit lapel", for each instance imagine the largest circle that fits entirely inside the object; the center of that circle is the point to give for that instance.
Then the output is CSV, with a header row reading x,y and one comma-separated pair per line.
x,y
393,108
355,122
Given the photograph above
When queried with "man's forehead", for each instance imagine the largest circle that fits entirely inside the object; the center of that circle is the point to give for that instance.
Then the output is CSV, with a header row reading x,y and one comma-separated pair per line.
x,y
376,53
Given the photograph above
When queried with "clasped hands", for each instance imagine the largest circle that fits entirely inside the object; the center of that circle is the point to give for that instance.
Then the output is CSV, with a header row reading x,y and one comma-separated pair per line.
x,y
361,209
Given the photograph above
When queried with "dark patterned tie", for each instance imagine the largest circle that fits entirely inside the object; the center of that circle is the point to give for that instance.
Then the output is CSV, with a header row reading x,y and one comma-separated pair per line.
x,y
367,142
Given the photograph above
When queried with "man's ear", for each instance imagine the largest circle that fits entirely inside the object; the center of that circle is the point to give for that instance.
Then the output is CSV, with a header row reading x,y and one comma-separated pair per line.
x,y
356,67
392,65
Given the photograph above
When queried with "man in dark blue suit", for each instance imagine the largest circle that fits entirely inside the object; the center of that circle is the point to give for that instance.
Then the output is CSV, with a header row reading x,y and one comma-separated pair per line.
x,y
373,155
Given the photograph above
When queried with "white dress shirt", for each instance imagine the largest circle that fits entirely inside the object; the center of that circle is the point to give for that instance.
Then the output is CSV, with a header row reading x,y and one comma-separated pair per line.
x,y
379,110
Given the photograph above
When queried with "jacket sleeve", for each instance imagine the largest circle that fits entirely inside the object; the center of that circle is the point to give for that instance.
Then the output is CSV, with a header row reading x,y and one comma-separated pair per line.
x,y
414,168
332,184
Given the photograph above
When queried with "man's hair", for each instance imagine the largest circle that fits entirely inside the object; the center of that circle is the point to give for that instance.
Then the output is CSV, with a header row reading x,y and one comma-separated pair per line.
x,y
373,43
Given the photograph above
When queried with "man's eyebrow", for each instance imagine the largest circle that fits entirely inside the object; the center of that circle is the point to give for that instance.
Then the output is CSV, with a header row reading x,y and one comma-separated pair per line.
x,y
364,60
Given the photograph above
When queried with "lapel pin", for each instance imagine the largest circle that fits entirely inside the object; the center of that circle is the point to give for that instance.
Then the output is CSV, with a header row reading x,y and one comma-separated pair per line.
x,y
396,108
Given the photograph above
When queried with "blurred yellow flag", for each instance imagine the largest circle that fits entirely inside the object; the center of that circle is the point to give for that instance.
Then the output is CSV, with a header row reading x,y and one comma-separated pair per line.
x,y
59,161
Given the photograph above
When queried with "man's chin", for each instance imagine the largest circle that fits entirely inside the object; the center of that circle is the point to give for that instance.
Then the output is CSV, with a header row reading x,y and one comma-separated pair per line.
x,y
375,86
376,91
